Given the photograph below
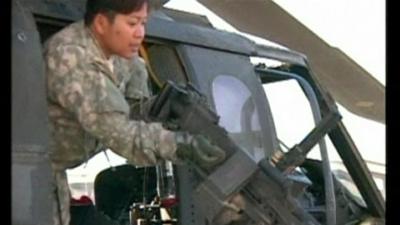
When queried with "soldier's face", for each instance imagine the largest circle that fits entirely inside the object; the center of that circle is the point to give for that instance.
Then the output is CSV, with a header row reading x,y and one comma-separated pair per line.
x,y
125,33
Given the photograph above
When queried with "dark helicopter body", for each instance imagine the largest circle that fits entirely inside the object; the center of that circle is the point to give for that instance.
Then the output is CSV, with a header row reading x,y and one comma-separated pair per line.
x,y
182,48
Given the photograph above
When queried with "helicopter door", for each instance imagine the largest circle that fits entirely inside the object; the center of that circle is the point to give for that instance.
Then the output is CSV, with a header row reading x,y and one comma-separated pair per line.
x,y
231,85
31,171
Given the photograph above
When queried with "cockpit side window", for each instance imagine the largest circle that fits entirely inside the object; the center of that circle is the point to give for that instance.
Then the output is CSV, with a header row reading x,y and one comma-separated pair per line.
x,y
238,114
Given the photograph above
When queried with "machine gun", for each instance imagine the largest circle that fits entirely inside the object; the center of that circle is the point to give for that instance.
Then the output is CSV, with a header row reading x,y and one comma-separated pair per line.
x,y
266,192
185,108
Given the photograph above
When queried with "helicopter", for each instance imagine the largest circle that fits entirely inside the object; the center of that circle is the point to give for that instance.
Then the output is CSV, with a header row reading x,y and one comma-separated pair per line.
x,y
260,183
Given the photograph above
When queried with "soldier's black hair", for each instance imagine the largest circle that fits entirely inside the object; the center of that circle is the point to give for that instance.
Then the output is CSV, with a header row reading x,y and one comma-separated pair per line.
x,y
110,8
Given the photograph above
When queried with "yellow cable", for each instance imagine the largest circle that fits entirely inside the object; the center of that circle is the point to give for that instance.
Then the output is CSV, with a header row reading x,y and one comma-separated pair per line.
x,y
153,76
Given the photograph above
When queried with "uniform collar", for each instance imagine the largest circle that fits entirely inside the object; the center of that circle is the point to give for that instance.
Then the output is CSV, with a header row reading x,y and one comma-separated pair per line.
x,y
99,57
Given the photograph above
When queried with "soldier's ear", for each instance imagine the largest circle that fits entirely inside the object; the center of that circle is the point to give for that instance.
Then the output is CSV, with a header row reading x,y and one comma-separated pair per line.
x,y
101,23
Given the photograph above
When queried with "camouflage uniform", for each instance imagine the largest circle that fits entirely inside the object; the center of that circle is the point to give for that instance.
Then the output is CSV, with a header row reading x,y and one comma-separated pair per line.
x,y
87,106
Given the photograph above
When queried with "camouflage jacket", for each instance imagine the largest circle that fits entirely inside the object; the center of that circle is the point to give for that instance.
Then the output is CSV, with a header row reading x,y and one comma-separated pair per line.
x,y
87,103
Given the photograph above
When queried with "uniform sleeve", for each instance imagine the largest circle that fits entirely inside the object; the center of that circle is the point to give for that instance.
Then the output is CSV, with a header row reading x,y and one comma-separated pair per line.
x,y
137,86
83,89
137,92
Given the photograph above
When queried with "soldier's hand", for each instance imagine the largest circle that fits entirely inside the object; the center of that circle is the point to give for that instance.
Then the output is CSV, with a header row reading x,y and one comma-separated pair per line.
x,y
199,150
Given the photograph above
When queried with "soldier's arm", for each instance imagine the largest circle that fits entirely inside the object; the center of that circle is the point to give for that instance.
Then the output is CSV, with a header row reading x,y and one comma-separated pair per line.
x,y
137,91
84,90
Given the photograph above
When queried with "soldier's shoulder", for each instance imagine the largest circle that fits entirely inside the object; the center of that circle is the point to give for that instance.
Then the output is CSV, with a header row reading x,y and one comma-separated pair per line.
x,y
67,53
135,63
138,63
71,35
139,60
134,60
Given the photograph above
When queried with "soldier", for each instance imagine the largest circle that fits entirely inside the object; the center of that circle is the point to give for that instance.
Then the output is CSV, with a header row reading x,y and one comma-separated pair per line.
x,y
95,80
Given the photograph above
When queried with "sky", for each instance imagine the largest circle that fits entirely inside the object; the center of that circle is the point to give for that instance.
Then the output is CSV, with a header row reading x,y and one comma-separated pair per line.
x,y
357,27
